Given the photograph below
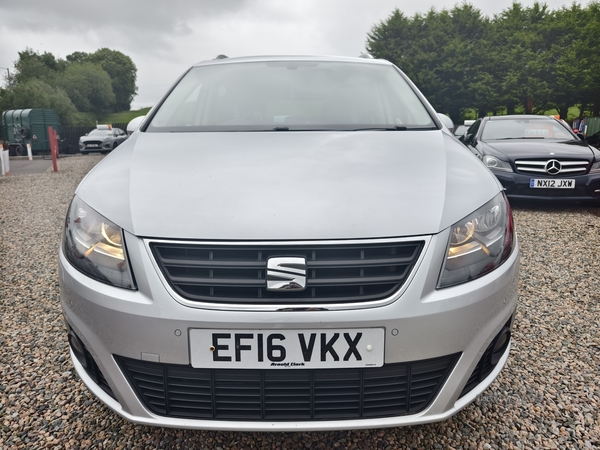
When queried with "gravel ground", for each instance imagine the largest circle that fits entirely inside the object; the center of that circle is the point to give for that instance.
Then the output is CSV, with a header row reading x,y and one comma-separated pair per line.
x,y
548,395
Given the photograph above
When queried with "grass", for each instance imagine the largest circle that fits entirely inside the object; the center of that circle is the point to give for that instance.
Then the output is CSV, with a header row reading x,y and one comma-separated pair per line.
x,y
571,115
124,116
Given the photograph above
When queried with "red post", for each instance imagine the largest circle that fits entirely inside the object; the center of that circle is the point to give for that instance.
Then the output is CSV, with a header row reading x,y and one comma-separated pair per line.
x,y
53,147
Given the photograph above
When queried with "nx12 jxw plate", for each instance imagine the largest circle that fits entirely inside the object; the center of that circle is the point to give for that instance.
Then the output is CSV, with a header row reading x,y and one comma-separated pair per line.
x,y
552,183
287,349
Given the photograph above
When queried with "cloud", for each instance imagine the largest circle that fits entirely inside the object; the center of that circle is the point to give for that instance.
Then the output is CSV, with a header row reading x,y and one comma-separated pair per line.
x,y
165,37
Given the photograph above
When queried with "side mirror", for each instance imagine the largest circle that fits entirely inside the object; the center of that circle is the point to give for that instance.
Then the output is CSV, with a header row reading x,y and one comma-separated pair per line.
x,y
446,121
581,136
134,124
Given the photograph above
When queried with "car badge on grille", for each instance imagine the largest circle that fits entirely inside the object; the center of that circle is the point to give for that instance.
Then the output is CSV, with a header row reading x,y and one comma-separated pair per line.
x,y
553,167
286,274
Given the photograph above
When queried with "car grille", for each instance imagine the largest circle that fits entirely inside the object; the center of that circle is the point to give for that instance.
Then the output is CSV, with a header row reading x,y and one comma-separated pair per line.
x,y
335,273
279,394
539,167
94,143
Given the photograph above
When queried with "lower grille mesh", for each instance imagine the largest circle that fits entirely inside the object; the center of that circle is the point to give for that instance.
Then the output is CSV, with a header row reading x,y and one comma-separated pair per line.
x,y
578,191
278,395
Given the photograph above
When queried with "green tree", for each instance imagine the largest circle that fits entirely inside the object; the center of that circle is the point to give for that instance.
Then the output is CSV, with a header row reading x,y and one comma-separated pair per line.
x,y
445,53
89,87
565,60
122,72
589,51
38,94
32,65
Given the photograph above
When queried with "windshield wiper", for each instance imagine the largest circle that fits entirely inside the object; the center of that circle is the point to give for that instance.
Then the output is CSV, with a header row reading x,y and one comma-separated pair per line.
x,y
394,128
521,137
281,129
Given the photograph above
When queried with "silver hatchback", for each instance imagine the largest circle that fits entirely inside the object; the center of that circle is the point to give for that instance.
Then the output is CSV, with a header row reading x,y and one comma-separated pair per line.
x,y
289,243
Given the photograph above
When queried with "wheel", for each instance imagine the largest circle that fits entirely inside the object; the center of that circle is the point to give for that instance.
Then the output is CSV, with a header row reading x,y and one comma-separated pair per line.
x,y
20,150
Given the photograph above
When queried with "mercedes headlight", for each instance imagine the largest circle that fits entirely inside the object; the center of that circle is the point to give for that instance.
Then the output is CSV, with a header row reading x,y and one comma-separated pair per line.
x,y
494,163
95,246
595,167
479,243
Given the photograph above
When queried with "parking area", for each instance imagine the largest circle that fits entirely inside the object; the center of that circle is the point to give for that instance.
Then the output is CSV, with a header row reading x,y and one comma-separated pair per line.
x,y
547,396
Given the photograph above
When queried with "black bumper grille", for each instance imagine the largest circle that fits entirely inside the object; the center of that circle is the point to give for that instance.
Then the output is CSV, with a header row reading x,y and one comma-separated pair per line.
x,y
335,273
579,192
280,395
486,364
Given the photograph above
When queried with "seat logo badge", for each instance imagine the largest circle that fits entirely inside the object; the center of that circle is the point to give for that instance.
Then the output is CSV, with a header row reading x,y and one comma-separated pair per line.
x,y
286,274
553,167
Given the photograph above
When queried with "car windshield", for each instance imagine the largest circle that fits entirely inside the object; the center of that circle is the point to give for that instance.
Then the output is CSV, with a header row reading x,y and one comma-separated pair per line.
x,y
290,96
100,133
542,128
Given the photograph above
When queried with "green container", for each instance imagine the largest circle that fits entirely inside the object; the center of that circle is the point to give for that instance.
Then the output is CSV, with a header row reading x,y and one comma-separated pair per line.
x,y
29,126
592,126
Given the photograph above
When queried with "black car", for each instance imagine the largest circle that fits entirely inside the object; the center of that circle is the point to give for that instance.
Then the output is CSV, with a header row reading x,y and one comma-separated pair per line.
x,y
536,157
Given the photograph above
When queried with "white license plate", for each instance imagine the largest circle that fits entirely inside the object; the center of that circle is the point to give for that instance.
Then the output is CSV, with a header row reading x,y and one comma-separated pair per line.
x,y
287,349
92,145
558,183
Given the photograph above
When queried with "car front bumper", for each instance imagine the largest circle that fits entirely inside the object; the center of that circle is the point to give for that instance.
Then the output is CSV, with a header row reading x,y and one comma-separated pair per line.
x,y
422,323
102,147
587,187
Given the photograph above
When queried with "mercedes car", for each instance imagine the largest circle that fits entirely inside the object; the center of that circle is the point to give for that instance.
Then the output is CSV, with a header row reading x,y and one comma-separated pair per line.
x,y
536,157
289,243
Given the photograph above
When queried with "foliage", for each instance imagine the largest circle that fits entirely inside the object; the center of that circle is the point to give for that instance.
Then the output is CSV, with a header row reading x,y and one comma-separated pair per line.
x,y
89,87
527,58
122,72
124,116
94,83
38,94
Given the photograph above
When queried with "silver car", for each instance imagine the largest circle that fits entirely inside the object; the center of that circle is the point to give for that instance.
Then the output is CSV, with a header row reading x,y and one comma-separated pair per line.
x,y
102,139
289,243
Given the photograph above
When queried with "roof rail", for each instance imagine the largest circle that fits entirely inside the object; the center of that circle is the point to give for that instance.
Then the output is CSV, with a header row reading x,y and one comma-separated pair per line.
x,y
366,56
221,57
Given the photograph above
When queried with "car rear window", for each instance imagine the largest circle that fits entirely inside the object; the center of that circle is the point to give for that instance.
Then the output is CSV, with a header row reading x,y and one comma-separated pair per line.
x,y
291,95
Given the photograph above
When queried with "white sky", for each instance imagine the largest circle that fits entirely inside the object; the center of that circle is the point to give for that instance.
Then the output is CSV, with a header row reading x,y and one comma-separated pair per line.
x,y
164,38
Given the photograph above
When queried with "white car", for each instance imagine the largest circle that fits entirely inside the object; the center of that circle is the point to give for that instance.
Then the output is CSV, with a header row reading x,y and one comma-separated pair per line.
x,y
289,243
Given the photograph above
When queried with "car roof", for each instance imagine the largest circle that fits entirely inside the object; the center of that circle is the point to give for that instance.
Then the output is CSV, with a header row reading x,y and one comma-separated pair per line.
x,y
315,58
518,117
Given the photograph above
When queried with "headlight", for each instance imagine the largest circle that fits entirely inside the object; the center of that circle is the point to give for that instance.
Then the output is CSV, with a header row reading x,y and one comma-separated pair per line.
x,y
479,243
496,164
595,167
95,246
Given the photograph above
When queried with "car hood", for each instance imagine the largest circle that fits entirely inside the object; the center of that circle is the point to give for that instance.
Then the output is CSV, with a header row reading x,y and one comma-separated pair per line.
x,y
523,148
92,138
288,185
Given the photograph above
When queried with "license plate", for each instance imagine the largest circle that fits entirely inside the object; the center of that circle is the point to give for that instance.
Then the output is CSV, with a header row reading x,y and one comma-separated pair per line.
x,y
286,349
559,183
92,145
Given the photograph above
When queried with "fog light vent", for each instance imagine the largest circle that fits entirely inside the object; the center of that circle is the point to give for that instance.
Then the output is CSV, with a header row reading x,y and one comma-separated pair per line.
x,y
490,358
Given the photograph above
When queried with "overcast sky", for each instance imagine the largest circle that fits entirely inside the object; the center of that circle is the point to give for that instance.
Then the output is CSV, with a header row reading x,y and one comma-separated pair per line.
x,y
163,38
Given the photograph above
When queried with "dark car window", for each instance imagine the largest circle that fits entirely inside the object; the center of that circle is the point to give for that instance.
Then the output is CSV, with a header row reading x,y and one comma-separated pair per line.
x,y
291,95
542,128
